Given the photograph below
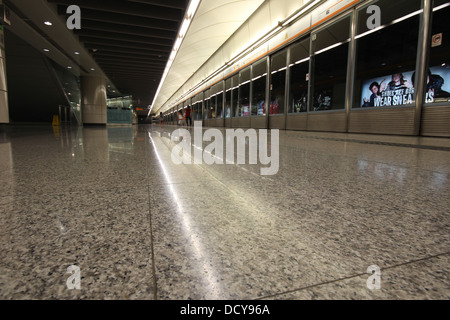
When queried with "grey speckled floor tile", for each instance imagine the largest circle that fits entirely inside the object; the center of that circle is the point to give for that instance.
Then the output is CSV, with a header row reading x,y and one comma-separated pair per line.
x,y
426,279
111,201
285,243
106,234
232,249
335,208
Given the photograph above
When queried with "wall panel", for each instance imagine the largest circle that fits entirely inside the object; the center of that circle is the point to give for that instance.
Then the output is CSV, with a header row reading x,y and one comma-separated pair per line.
x,y
297,122
436,121
329,121
382,121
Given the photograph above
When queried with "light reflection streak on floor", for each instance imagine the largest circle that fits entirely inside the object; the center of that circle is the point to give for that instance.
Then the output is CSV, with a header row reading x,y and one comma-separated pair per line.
x,y
196,245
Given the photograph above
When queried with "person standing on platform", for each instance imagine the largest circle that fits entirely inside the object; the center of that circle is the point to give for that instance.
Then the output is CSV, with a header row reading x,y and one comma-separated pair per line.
x,y
188,116
180,118
161,119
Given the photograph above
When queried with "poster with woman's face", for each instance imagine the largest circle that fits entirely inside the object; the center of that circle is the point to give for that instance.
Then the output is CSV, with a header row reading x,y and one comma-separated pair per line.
x,y
398,89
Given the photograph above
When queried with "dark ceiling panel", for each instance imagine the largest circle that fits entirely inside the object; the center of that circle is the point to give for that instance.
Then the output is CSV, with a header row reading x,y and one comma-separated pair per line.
x,y
99,48
138,64
131,8
118,29
176,4
119,58
104,63
130,40
107,39
125,19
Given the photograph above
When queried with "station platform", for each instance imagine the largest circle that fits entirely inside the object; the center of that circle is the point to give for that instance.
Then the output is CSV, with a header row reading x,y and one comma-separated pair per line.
x,y
113,202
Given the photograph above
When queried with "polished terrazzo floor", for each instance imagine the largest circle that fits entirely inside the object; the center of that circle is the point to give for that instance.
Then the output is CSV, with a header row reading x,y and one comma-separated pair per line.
x,y
111,201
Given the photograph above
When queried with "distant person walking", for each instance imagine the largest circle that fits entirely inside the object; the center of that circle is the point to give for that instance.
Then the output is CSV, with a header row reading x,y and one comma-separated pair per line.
x,y
180,118
161,119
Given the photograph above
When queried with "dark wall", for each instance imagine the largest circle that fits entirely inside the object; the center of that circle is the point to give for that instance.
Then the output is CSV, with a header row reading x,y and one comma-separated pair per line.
x,y
33,91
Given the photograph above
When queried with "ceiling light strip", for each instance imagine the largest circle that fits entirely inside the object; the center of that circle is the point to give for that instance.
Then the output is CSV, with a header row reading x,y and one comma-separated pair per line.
x,y
190,12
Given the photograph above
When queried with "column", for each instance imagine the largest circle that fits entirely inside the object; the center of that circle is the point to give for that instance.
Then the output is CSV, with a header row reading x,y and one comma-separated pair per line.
x,y
422,63
93,100
4,109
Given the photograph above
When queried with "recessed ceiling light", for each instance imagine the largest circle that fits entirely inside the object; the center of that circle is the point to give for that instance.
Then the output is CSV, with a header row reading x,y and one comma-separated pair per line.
x,y
46,50
76,52
48,23
69,67
92,69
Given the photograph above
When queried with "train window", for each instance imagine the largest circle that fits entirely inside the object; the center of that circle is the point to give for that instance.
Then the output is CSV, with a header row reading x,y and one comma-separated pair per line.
x,y
299,76
259,83
235,95
228,89
206,104
244,94
438,78
278,82
218,89
329,66
198,111
213,106
194,109
219,101
185,105
179,108
212,109
386,55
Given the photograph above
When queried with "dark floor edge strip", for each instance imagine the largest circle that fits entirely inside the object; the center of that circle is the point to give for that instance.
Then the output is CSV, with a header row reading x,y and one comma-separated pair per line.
x,y
390,144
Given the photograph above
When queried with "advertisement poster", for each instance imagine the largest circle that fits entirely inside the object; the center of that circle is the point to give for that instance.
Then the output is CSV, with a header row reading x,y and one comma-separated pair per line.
x,y
398,89
438,84
389,91
323,100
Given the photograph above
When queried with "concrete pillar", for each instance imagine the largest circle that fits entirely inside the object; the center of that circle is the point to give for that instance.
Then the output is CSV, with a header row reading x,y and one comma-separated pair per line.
x,y
4,108
93,100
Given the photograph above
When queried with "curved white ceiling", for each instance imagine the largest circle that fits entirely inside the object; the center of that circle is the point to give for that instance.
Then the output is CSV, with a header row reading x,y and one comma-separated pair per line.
x,y
212,25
